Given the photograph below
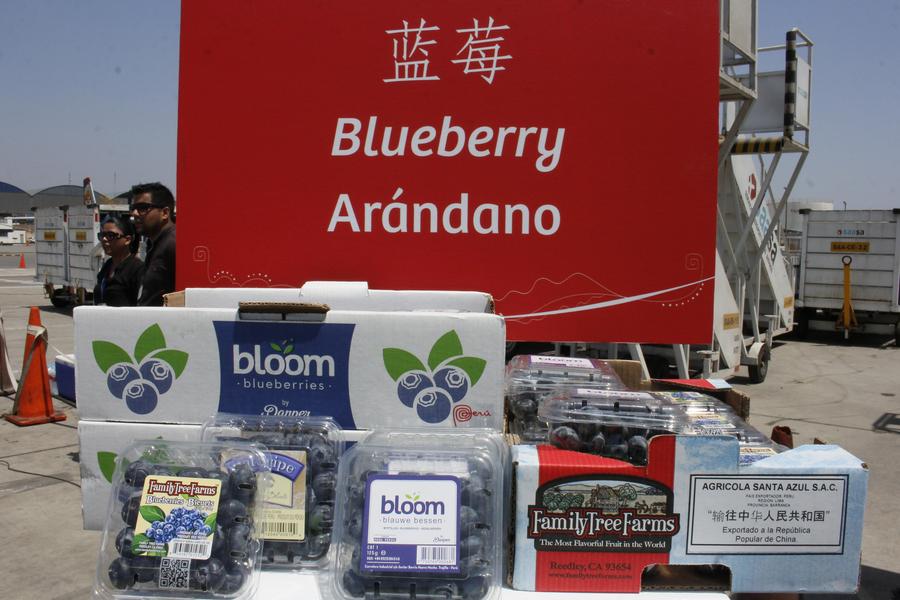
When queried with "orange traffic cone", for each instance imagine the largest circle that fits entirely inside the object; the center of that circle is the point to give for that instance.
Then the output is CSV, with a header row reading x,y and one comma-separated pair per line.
x,y
21,260
33,403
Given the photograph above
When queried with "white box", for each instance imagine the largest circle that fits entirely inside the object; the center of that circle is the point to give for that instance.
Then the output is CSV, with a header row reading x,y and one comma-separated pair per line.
x,y
100,442
342,295
367,369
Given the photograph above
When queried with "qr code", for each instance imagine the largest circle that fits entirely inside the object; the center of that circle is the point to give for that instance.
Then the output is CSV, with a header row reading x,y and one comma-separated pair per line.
x,y
174,573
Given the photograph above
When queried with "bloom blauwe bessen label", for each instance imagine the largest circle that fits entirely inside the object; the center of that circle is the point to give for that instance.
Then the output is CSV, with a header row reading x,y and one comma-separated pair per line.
x,y
411,524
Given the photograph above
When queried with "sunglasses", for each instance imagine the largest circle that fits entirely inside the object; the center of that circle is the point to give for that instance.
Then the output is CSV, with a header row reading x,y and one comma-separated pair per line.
x,y
109,235
142,208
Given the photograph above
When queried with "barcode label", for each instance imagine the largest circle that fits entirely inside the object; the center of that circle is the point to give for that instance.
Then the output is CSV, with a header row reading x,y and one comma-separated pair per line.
x,y
437,555
279,528
190,549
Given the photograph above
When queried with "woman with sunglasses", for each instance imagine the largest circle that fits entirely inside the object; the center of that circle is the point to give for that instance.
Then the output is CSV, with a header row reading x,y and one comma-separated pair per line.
x,y
119,279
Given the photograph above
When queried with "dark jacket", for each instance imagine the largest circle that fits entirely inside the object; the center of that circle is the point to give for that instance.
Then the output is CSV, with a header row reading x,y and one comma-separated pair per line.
x,y
119,286
159,278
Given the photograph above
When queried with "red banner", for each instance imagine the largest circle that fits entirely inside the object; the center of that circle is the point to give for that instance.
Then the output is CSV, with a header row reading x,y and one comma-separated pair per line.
x,y
559,155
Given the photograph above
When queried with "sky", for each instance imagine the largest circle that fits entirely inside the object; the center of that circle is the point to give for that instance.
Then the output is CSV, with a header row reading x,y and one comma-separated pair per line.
x,y
91,88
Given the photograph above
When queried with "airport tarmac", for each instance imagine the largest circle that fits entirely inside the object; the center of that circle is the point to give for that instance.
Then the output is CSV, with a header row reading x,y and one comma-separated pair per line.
x,y
848,394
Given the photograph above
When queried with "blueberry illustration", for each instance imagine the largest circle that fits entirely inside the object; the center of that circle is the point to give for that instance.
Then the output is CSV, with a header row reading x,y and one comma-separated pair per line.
x,y
453,381
120,574
120,375
159,374
208,576
411,385
140,396
433,405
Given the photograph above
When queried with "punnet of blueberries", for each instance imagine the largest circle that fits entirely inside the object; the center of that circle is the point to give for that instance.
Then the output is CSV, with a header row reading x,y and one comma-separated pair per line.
x,y
287,545
530,379
472,567
612,424
175,546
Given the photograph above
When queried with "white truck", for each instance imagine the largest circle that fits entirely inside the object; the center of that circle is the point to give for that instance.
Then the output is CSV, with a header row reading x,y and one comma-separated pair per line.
x,y
869,240
68,252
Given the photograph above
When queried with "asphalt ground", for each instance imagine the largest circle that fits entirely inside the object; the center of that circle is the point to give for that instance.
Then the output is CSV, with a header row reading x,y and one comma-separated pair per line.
x,y
838,392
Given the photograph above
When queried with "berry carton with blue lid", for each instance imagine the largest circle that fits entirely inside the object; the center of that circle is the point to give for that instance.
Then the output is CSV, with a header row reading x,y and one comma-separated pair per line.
x,y
617,424
531,378
295,513
181,521
421,517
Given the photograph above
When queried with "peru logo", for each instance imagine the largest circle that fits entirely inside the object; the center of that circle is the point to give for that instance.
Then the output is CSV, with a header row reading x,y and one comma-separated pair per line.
x,y
434,390
141,380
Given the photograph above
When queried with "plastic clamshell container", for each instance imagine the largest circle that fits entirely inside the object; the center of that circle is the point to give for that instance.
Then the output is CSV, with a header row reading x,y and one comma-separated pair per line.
x,y
180,521
615,424
421,517
295,515
531,378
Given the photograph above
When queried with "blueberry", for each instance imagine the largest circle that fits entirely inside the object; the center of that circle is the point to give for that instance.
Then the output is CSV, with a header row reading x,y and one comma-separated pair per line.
x,y
145,568
468,517
472,545
159,374
243,483
443,589
323,485
524,406
618,450
237,540
354,527
233,580
140,396
354,584
162,470
120,375
453,381
231,512
433,405
566,438
120,574
318,546
321,519
637,449
136,472
123,542
356,492
130,509
208,576
411,385
598,442
475,588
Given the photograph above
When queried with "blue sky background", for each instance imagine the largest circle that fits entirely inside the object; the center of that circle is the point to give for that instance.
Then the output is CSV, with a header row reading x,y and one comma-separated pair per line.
x,y
91,88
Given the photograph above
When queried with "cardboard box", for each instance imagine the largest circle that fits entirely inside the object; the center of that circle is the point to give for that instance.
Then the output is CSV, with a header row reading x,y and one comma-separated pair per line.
x,y
338,295
629,371
366,369
100,444
789,523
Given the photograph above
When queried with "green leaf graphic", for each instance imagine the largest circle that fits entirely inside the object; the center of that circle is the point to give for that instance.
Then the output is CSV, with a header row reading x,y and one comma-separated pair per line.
x,y
175,359
137,540
108,354
151,340
107,462
398,362
152,514
473,367
211,521
447,346
417,497
186,496
274,346
288,348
